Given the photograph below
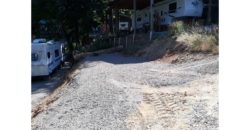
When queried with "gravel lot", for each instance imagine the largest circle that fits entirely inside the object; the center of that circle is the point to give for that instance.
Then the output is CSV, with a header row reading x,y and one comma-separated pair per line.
x,y
113,92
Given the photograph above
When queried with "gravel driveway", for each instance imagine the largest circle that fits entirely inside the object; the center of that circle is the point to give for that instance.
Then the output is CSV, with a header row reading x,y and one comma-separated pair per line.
x,y
42,87
112,92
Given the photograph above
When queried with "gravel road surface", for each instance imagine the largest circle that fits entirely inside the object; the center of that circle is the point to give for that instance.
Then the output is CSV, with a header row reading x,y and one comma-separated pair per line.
x,y
112,92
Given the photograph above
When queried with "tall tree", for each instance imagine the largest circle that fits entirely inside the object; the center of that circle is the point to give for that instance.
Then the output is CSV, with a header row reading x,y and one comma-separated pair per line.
x,y
68,19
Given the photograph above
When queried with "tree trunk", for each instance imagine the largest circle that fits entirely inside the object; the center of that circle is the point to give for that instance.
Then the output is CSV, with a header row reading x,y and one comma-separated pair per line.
x,y
77,36
70,45
209,12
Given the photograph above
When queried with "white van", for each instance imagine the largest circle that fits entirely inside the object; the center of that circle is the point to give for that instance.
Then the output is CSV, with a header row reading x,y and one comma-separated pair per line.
x,y
46,57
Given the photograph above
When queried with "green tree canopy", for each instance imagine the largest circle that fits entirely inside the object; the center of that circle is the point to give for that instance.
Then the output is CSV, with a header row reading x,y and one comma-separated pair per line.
x,y
67,19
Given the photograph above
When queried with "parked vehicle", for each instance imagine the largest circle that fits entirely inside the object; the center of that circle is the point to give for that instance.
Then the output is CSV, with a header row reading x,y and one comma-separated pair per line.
x,y
166,11
46,56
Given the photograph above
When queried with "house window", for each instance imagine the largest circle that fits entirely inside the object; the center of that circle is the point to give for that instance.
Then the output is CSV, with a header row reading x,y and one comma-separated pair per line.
x,y
56,53
172,7
48,54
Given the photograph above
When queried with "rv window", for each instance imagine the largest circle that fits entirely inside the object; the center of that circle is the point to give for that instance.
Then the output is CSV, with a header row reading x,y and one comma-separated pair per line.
x,y
146,15
172,7
34,57
56,53
161,13
48,54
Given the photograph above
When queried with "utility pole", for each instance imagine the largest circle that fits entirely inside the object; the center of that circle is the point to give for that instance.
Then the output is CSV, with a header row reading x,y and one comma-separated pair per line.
x,y
209,12
134,10
151,19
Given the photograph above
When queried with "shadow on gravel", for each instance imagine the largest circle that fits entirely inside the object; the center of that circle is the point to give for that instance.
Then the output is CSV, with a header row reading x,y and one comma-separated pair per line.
x,y
115,58
47,84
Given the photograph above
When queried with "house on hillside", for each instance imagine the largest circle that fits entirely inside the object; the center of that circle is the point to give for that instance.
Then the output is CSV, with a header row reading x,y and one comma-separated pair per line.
x,y
155,16
164,12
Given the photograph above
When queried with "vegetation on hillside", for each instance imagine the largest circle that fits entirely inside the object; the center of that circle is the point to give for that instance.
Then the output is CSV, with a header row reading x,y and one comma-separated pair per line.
x,y
181,38
196,37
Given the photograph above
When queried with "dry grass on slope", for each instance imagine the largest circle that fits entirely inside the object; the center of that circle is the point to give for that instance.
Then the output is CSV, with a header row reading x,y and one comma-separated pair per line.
x,y
184,40
199,42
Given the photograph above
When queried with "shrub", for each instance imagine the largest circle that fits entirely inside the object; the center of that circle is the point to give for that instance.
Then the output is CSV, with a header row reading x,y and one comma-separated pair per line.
x,y
177,27
204,44
196,37
199,40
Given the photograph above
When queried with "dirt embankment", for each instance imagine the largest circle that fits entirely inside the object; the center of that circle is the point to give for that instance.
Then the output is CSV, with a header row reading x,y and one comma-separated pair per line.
x,y
186,46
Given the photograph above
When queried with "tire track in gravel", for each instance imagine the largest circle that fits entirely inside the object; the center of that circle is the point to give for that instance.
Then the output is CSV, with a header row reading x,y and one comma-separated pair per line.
x,y
160,110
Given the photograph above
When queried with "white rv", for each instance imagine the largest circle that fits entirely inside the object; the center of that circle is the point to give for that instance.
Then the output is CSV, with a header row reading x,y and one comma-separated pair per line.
x,y
183,8
167,10
139,19
46,57
146,15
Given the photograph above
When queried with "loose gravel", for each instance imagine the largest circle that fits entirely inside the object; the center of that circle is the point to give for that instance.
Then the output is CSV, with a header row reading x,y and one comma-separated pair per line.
x,y
113,92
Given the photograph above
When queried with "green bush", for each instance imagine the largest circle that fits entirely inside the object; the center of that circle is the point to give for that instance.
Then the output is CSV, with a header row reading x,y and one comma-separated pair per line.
x,y
177,27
